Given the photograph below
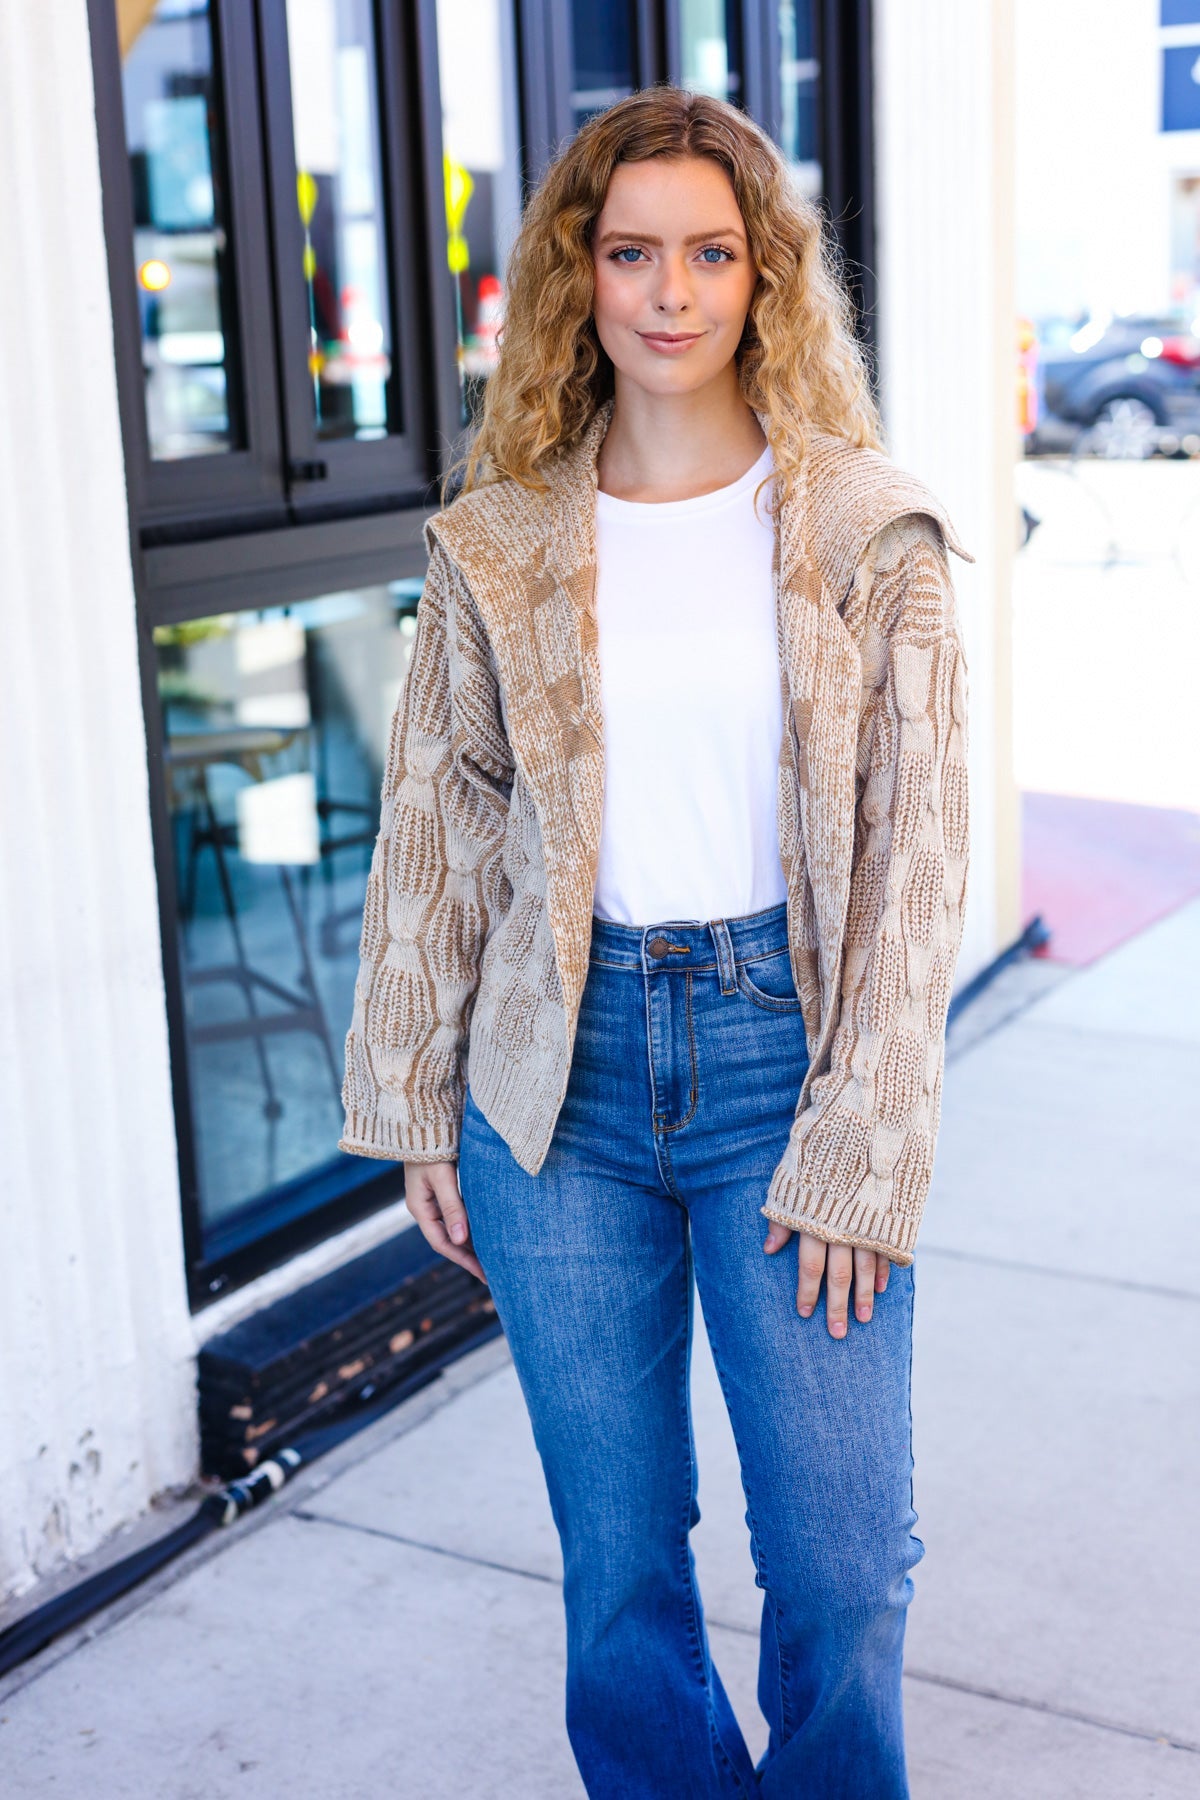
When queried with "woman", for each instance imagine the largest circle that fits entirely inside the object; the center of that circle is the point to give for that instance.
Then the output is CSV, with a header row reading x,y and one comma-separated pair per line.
x,y
647,970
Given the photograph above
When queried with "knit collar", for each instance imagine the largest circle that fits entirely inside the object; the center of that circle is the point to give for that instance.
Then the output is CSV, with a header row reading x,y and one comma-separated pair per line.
x,y
843,495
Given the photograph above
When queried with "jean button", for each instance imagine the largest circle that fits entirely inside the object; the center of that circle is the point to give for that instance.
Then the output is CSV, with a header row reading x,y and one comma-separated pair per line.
x,y
658,946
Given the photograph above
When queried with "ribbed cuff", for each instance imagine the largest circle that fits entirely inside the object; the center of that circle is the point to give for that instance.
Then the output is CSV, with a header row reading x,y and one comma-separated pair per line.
x,y
860,1217
829,1234
371,1136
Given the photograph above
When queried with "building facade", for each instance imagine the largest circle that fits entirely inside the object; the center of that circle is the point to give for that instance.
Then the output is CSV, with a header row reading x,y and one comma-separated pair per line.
x,y
1131,153
258,251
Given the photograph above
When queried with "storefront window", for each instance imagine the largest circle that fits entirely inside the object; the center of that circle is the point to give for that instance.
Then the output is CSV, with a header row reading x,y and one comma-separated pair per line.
x,y
181,226
275,728
339,192
711,47
800,77
603,43
480,136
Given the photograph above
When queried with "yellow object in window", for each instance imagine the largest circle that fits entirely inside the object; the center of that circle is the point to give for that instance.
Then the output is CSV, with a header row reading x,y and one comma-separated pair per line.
x,y
459,188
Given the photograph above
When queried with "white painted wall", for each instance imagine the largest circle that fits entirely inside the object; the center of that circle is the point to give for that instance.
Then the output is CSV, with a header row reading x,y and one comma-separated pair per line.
x,y
947,365
96,1346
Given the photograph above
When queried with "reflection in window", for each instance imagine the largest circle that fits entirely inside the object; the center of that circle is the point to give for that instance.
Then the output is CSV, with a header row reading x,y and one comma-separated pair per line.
x,y
172,126
480,137
339,191
800,76
276,726
711,47
603,37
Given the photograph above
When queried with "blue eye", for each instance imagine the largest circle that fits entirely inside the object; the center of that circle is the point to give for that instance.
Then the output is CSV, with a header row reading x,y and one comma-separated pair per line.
x,y
627,253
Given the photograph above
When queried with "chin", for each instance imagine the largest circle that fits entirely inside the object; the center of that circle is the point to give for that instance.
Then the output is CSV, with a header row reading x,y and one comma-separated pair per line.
x,y
668,377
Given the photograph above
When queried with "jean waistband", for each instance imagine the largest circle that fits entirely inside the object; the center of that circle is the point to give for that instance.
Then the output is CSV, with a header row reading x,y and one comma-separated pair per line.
x,y
690,943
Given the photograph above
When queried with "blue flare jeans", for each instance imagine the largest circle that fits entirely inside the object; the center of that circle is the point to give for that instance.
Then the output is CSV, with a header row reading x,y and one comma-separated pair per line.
x,y
688,1060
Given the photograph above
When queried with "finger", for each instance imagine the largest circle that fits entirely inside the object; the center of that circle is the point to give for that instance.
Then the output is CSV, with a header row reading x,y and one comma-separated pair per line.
x,y
438,1182
883,1267
812,1267
454,1213
467,1259
436,1235
427,1206
454,1218
839,1268
777,1237
864,1283
460,1248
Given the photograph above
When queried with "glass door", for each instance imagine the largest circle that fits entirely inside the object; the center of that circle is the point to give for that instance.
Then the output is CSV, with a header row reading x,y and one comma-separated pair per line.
x,y
191,308
710,48
481,155
348,253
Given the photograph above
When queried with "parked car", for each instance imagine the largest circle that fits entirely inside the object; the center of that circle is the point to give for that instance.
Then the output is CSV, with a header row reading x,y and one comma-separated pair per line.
x,y
1122,386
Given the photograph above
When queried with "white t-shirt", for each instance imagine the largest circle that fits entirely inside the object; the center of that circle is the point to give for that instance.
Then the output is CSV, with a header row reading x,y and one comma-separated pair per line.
x,y
693,707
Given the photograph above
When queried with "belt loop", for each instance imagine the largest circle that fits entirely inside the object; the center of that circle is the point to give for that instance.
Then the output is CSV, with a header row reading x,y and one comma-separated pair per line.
x,y
724,948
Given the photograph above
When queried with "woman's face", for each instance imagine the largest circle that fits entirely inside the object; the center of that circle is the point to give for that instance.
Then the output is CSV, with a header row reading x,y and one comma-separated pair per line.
x,y
674,275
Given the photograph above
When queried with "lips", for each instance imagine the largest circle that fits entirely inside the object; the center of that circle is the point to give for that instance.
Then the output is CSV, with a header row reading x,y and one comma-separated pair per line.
x,y
663,340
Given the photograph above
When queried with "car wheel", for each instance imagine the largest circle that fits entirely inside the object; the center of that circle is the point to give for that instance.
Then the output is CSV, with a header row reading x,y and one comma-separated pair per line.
x,y
1125,426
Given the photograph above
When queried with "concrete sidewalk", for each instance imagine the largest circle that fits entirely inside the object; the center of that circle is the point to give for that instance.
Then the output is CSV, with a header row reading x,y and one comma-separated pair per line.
x,y
392,1624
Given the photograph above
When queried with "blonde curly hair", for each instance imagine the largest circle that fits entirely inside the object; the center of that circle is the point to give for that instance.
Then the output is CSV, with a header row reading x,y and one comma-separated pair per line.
x,y
799,361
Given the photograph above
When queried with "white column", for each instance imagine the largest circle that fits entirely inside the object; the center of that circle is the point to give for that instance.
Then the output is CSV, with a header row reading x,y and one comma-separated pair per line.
x,y
97,1409
944,174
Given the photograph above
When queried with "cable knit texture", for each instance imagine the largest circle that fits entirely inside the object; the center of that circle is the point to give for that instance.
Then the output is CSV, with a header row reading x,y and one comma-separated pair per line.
x,y
477,923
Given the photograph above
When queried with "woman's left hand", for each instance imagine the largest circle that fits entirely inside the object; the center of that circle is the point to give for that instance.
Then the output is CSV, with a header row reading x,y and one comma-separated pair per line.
x,y
841,1265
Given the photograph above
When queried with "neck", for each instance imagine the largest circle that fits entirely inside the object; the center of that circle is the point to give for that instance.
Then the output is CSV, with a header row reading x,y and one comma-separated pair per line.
x,y
677,446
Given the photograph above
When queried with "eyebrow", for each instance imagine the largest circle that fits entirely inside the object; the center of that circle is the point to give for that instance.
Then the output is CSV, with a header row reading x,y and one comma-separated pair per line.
x,y
696,237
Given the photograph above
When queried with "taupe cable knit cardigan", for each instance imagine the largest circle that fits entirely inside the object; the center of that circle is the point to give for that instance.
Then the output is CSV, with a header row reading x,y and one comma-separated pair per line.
x,y
477,922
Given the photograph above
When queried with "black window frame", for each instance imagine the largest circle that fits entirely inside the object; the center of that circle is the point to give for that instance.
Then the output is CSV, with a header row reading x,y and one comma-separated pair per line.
x,y
194,581
232,532
232,483
229,532
846,51
284,475
322,476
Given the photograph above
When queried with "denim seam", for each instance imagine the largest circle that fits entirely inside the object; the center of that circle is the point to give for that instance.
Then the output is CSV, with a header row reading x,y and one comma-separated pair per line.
x,y
690,1114
692,1598
632,968
768,1002
769,1596
743,962
662,1155
764,912
912,1309
726,957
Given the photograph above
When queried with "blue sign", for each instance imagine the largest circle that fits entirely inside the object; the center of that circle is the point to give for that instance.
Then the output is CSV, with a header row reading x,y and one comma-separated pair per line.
x,y
1181,88
1181,12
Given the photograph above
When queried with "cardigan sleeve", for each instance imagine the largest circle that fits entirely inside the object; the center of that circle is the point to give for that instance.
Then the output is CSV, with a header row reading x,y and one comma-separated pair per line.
x,y
859,1159
435,885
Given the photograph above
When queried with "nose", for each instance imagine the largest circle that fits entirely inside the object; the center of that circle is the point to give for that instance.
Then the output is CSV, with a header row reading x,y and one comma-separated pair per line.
x,y
674,287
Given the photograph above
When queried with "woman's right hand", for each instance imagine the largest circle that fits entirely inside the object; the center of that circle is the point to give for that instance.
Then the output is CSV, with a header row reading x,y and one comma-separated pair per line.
x,y
432,1197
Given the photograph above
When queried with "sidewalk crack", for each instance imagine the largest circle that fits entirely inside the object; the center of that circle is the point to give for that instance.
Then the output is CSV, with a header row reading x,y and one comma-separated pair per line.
x,y
1098,1721
310,1517
1154,1290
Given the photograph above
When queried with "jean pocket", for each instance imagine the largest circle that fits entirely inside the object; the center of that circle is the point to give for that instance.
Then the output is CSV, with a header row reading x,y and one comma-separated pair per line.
x,y
767,980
